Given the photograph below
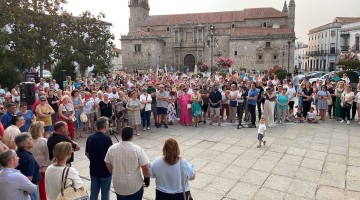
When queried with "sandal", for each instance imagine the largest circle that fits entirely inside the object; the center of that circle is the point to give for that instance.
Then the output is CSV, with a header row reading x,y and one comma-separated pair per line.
x,y
82,136
137,134
258,146
264,142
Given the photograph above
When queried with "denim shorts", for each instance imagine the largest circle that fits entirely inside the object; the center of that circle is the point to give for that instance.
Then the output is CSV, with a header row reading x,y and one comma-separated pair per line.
x,y
161,111
260,136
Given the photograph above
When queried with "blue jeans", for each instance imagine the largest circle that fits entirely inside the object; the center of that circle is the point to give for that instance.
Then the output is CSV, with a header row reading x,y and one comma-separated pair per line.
x,y
96,184
136,196
145,117
35,195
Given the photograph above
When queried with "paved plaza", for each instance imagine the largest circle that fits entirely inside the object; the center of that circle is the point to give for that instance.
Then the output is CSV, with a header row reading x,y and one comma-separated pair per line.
x,y
299,161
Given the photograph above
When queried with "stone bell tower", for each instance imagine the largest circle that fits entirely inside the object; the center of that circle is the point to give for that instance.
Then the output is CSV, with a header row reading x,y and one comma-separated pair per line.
x,y
292,15
139,11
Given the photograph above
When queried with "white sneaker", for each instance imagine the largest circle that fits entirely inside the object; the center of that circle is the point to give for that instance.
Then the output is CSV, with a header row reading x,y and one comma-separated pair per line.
x,y
144,129
342,121
148,128
348,122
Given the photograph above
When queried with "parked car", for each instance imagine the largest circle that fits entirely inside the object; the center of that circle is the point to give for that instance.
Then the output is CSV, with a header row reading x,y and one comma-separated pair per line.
x,y
322,78
317,74
47,74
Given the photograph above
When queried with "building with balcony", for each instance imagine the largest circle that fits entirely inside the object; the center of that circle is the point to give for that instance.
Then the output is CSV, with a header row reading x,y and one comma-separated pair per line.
x,y
300,55
350,38
328,41
256,38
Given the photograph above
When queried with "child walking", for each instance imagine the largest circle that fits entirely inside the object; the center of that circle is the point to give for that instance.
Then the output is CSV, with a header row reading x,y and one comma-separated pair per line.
x,y
261,132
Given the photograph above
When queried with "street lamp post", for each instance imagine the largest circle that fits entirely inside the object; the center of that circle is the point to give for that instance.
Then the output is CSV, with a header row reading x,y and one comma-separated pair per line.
x,y
289,43
212,28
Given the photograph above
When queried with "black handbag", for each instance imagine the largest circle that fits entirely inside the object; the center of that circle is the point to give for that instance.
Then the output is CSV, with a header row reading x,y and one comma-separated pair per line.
x,y
233,103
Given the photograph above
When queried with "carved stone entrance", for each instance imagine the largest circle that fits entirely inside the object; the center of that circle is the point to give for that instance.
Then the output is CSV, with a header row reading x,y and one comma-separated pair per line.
x,y
189,60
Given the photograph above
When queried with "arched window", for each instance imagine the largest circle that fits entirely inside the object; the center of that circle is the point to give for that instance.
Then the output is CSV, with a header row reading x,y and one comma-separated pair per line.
x,y
264,25
232,25
148,29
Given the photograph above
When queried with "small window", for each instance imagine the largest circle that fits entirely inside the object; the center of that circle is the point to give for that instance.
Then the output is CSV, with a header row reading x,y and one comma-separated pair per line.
x,y
333,33
264,25
259,57
235,53
164,44
168,29
268,44
148,29
275,57
325,34
233,25
137,47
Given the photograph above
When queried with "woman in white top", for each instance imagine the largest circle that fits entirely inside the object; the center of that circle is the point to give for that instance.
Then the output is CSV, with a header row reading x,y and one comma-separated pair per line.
x,y
145,100
89,110
233,103
357,100
53,174
172,173
40,152
347,98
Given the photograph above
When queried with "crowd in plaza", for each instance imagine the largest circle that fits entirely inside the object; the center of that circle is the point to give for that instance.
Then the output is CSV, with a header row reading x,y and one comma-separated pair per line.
x,y
38,140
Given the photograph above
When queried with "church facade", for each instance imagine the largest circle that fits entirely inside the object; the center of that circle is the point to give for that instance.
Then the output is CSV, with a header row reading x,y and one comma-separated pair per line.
x,y
256,38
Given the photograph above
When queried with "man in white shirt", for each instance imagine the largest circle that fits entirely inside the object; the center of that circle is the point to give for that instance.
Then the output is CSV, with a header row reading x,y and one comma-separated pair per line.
x,y
14,185
113,95
291,92
12,131
125,167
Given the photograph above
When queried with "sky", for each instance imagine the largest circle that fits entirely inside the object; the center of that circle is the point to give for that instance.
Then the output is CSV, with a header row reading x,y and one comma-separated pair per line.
x,y
309,13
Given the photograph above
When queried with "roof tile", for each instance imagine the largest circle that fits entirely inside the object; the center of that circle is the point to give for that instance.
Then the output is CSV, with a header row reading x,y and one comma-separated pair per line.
x,y
215,17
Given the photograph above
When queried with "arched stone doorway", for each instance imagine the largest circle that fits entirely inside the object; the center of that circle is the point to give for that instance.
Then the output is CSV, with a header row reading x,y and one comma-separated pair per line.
x,y
189,60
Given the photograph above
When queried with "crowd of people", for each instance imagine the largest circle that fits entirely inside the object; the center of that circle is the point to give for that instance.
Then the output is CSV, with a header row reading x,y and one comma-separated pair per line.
x,y
38,140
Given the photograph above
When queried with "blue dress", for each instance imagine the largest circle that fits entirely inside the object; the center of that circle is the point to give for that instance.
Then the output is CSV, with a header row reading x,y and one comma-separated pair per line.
x,y
322,103
78,123
27,117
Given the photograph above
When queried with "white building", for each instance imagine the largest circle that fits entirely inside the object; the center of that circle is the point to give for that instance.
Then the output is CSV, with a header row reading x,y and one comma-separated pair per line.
x,y
350,38
117,61
300,55
325,44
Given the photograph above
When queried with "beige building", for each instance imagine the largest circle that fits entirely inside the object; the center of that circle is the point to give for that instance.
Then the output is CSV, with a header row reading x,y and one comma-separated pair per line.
x,y
256,38
326,42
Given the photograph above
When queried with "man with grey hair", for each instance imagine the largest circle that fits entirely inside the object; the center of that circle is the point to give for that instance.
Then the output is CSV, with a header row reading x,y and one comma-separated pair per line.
x,y
14,185
96,148
12,131
27,164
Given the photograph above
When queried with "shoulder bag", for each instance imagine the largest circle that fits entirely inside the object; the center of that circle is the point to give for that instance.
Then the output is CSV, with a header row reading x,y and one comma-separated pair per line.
x,y
329,100
183,182
70,192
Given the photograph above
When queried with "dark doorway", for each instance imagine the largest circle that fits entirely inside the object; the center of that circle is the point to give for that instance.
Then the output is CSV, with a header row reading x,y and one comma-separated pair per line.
x,y
189,60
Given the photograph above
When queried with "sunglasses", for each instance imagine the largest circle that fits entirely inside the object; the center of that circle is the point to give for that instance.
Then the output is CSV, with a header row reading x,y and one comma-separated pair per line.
x,y
42,100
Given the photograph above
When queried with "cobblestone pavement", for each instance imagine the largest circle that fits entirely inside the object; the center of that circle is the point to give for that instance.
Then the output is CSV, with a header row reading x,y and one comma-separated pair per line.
x,y
299,161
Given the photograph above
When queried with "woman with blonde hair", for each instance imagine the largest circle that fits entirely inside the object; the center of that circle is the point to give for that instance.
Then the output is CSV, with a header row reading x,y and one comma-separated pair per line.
x,y
40,152
172,173
66,114
53,175
133,107
43,113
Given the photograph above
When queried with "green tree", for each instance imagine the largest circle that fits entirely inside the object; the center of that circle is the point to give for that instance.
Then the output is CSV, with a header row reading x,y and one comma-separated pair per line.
x,y
34,27
87,40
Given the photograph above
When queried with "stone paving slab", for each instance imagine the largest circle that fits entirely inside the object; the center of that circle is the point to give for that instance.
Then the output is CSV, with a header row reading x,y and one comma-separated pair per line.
x,y
299,162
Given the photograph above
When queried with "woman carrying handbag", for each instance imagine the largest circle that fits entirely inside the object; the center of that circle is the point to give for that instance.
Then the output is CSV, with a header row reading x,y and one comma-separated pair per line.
x,y
172,173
